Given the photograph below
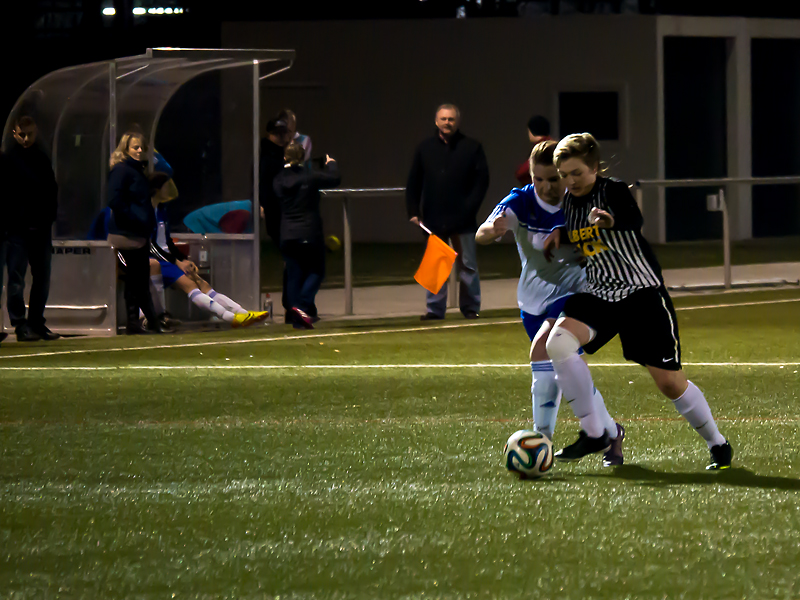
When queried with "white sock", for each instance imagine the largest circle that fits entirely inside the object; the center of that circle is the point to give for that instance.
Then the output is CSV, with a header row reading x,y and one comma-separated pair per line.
x,y
159,300
694,408
575,381
226,302
201,300
546,397
609,424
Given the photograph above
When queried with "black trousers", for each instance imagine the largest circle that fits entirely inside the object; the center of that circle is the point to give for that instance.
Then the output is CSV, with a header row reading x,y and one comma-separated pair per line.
x,y
137,284
305,268
35,248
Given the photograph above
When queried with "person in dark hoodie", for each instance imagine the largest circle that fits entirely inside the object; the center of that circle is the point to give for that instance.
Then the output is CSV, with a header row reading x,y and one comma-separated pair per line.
x,y
132,221
29,216
302,243
270,164
446,186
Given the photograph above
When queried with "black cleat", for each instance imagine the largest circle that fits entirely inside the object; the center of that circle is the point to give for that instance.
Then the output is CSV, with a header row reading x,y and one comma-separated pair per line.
x,y
721,457
167,321
613,455
583,446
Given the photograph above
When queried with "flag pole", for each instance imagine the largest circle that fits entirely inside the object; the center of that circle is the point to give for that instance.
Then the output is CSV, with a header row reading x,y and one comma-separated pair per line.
x,y
425,229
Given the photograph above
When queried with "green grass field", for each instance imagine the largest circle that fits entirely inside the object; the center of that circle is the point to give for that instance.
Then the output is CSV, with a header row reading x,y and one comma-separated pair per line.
x,y
363,460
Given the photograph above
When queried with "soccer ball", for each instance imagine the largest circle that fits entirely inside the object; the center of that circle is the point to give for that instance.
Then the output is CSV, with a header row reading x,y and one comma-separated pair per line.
x,y
528,454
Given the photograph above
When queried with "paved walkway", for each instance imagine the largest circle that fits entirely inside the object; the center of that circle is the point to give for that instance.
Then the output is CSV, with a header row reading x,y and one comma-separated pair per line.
x,y
409,300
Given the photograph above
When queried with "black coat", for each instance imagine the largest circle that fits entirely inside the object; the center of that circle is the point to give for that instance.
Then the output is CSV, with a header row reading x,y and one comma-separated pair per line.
x,y
31,197
271,163
132,212
447,184
298,188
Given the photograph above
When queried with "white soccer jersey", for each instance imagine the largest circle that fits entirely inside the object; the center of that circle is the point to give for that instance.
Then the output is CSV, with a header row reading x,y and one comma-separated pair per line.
x,y
531,220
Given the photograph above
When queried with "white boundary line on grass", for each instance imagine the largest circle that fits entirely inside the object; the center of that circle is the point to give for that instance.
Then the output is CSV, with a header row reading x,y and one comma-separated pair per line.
x,y
339,334
284,338
756,303
392,366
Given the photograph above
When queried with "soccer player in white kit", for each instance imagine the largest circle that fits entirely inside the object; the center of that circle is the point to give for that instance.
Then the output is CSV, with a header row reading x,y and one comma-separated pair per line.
x,y
532,213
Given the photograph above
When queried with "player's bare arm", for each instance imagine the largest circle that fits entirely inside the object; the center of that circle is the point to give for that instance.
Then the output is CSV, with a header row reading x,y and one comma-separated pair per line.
x,y
489,232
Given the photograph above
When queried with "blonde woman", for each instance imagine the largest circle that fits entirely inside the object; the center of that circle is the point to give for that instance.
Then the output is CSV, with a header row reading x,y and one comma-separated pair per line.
x,y
130,226
625,295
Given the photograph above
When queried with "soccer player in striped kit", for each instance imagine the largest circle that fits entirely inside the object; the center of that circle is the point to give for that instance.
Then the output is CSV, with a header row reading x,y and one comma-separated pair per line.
x,y
625,295
531,213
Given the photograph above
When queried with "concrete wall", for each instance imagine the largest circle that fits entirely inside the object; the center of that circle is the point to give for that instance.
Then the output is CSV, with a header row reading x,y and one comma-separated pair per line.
x,y
366,93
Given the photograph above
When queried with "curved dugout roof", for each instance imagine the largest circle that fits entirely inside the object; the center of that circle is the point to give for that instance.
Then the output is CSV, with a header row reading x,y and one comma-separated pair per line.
x,y
78,110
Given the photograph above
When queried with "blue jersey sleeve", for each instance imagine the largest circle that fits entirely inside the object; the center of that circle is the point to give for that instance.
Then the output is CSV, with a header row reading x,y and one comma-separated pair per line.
x,y
516,201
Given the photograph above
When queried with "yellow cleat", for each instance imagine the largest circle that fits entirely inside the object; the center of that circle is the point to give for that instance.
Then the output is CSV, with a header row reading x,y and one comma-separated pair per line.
x,y
249,318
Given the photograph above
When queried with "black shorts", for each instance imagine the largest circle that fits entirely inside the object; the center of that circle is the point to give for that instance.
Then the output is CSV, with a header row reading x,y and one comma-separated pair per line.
x,y
645,321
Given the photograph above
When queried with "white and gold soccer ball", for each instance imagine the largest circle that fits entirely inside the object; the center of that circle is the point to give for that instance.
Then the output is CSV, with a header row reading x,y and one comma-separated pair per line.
x,y
528,454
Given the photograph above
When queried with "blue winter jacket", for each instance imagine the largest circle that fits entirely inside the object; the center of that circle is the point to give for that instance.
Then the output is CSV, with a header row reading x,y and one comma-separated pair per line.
x,y
132,211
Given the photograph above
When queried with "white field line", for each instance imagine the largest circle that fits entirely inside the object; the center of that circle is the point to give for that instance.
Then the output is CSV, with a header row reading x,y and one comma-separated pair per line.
x,y
757,303
334,335
284,338
780,365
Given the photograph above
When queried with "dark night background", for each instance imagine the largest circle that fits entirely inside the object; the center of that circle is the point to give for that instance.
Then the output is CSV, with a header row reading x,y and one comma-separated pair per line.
x,y
41,36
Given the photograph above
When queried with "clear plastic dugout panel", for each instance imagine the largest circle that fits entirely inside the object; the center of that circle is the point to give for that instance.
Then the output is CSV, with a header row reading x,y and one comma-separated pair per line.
x,y
195,107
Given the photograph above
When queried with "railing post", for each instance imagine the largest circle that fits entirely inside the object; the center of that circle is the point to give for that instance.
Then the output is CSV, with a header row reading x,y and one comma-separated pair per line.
x,y
726,239
348,259
348,239
256,141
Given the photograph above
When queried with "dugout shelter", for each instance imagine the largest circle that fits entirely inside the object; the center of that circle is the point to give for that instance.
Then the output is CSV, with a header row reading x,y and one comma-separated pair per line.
x,y
81,112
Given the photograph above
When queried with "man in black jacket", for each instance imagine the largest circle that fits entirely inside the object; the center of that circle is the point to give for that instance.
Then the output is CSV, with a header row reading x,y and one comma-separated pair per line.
x,y
30,211
448,181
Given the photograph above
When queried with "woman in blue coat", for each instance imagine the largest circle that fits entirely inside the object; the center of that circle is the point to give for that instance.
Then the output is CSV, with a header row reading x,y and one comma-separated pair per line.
x,y
132,222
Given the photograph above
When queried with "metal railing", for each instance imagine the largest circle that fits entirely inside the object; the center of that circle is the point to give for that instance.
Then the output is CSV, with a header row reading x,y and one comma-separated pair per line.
x,y
716,202
347,243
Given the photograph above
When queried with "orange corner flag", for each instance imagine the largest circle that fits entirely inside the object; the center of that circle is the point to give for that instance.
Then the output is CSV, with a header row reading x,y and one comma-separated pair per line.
x,y
436,265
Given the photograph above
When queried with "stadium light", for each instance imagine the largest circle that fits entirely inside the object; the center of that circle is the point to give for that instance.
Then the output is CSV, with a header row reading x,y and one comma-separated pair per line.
x,y
157,10
109,12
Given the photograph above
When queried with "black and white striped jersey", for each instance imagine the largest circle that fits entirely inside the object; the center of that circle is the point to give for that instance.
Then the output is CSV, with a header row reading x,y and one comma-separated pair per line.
x,y
619,259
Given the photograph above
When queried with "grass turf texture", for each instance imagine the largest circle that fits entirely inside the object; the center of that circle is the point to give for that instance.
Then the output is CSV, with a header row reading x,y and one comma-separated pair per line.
x,y
388,483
